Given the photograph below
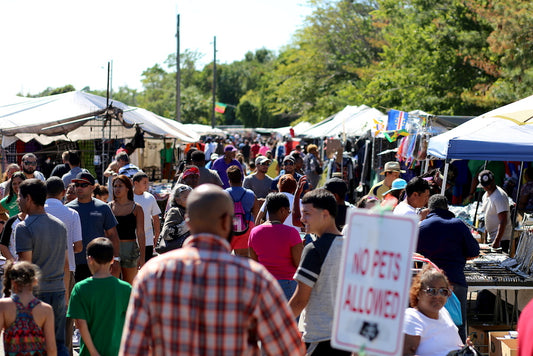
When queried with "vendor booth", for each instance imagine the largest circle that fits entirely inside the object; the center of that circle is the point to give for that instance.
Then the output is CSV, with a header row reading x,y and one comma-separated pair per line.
x,y
92,122
503,134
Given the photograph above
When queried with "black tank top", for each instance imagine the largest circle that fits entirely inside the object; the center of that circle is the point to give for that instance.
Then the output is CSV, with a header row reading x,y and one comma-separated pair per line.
x,y
127,225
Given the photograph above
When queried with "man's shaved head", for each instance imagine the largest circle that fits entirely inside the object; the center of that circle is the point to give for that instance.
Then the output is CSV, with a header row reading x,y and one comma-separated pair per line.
x,y
207,206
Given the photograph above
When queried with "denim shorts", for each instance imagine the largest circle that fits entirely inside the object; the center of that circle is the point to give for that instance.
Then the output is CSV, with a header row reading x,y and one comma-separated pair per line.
x,y
129,254
288,286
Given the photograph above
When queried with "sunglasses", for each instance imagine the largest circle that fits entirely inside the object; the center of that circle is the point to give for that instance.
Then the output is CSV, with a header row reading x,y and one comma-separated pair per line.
x,y
445,292
30,163
83,185
264,164
288,163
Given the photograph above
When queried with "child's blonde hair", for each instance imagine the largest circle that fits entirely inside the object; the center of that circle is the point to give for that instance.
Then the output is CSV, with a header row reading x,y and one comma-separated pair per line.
x,y
23,273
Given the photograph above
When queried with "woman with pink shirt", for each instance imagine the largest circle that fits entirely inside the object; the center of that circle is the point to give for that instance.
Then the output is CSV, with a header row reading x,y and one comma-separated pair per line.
x,y
276,246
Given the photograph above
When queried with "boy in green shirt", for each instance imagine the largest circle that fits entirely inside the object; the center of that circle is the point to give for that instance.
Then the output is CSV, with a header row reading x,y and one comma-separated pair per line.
x,y
98,304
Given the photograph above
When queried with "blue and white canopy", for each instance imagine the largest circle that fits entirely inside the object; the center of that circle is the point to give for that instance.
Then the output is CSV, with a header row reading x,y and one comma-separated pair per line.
x,y
503,134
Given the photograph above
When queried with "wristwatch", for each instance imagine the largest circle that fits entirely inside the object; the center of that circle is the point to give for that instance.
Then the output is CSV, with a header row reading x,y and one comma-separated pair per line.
x,y
116,258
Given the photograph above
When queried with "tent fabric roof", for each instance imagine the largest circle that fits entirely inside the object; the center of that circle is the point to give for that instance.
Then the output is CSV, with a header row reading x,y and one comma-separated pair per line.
x,y
299,128
488,137
26,120
352,120
200,129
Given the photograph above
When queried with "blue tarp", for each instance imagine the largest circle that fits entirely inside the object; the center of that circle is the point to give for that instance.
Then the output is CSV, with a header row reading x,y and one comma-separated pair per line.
x,y
488,137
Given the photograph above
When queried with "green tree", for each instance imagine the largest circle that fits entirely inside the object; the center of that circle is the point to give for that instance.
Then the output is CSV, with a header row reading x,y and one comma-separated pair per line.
x,y
195,106
426,61
325,57
511,46
159,92
124,94
53,91
247,113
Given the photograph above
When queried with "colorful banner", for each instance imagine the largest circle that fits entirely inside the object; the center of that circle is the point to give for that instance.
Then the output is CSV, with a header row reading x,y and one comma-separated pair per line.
x,y
220,107
397,120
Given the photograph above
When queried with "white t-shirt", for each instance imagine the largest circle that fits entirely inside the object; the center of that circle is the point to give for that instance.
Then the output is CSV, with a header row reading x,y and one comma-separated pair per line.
x,y
71,219
288,220
150,208
437,336
13,240
494,204
404,209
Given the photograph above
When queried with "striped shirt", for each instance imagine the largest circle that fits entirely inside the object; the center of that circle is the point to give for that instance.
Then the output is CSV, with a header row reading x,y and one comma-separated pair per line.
x,y
201,300
319,269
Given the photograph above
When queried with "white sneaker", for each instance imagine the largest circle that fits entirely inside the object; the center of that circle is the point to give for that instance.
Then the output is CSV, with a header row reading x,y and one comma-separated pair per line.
x,y
76,338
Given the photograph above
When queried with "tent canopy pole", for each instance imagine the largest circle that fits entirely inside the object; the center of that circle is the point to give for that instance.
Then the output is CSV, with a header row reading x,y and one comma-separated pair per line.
x,y
445,178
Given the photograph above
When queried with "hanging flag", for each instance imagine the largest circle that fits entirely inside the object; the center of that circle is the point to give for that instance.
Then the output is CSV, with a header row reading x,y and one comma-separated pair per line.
x,y
397,120
220,107
380,126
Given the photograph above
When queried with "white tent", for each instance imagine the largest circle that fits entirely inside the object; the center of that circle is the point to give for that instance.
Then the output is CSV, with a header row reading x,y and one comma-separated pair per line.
x,y
80,116
11,99
351,121
299,129
200,129
503,134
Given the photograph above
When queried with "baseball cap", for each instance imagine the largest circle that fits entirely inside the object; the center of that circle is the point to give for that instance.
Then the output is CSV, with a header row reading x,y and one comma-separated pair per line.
x,y
84,177
485,178
190,171
336,186
260,160
230,148
392,166
397,184
288,158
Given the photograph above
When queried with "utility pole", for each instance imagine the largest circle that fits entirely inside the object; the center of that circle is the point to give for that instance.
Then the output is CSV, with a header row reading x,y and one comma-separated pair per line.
x,y
213,123
178,74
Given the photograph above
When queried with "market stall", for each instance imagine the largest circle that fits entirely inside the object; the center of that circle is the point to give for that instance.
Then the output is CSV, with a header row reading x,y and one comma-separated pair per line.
x,y
77,116
503,134
90,121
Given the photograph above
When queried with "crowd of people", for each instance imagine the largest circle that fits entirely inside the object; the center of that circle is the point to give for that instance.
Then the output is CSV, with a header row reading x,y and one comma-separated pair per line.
x,y
243,259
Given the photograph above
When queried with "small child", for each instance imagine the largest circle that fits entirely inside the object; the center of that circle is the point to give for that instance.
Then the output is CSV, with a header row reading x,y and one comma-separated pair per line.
x,y
98,304
28,323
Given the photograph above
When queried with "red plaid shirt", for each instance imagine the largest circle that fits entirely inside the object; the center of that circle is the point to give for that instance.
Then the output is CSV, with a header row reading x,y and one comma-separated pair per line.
x,y
201,300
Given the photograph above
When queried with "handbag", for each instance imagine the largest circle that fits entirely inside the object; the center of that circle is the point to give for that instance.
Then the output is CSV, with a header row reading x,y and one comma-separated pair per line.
x,y
465,351
163,245
453,306
173,234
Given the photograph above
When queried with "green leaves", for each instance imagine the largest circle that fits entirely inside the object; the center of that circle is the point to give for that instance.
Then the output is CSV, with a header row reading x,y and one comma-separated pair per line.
x,y
456,57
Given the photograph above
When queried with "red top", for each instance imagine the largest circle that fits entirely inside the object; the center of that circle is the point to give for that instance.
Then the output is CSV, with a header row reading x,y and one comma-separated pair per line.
x,y
272,245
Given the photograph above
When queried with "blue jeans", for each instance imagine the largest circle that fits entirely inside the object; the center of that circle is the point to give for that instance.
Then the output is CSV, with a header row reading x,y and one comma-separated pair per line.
x,y
57,301
288,286
461,293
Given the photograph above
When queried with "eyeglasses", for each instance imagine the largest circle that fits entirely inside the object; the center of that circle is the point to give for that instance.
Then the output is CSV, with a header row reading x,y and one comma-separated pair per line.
x,y
445,292
30,163
264,164
289,163
83,185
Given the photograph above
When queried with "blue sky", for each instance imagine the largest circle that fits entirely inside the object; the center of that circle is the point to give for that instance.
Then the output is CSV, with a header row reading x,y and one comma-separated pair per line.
x,y
58,42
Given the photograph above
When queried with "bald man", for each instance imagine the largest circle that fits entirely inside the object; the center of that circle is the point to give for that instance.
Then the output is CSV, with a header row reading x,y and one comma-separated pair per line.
x,y
223,299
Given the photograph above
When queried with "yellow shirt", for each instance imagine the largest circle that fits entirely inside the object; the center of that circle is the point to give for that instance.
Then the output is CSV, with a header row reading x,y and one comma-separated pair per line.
x,y
379,190
273,169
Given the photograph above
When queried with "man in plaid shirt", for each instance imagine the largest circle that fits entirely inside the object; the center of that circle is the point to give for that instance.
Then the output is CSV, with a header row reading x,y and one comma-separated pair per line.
x,y
201,300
